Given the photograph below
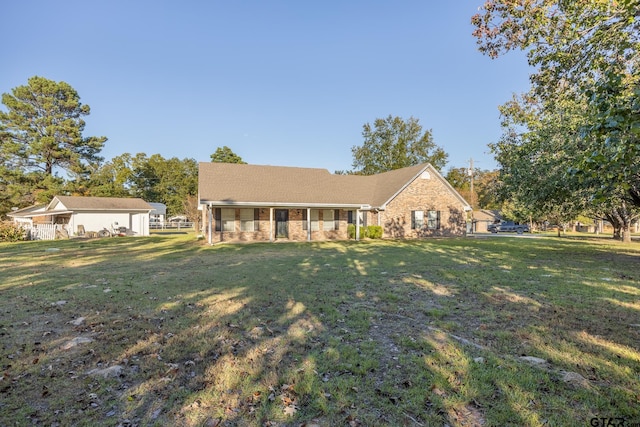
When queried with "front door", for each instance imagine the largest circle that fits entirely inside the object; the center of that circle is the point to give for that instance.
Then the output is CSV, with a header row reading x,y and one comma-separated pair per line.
x,y
282,223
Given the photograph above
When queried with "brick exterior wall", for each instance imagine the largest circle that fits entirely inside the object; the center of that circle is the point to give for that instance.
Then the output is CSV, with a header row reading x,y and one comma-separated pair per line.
x,y
424,194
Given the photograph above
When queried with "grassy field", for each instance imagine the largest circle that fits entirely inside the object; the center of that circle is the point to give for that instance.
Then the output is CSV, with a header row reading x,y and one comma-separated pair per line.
x,y
461,332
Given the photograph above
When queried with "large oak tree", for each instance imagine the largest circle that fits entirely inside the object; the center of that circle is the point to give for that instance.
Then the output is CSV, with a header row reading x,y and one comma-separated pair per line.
x,y
582,129
393,143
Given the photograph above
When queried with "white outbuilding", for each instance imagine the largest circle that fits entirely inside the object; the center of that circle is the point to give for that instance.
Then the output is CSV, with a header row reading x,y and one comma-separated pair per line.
x,y
79,216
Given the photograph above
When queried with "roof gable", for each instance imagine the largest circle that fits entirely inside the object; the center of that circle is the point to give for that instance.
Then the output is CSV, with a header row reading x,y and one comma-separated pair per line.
x,y
56,205
390,184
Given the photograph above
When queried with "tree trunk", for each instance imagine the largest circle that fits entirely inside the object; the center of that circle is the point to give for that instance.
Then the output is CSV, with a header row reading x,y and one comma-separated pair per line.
x,y
616,233
621,219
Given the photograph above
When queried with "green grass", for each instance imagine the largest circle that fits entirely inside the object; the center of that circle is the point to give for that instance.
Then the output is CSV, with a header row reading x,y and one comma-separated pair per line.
x,y
339,333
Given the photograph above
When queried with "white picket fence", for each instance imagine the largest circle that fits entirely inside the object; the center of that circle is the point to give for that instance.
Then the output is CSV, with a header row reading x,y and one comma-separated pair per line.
x,y
45,231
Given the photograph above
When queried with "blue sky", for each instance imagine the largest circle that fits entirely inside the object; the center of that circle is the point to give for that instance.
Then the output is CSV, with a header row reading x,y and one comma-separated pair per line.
x,y
286,83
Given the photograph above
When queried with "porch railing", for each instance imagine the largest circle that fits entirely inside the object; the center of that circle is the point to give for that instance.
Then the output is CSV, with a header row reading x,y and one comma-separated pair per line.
x,y
46,231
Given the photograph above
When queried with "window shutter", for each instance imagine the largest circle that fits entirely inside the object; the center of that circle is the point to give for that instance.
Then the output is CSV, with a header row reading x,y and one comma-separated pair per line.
x,y
336,218
304,219
438,220
218,216
413,220
349,217
256,219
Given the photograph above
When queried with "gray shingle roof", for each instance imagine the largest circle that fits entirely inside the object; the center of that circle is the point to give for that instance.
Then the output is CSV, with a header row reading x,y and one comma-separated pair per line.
x,y
76,203
230,183
26,212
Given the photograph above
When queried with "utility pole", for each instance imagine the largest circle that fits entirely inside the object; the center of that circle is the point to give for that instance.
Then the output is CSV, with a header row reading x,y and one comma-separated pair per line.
x,y
470,172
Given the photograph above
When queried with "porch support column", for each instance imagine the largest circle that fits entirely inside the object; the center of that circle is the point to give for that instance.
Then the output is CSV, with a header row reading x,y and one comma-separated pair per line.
x,y
357,224
271,224
210,221
308,224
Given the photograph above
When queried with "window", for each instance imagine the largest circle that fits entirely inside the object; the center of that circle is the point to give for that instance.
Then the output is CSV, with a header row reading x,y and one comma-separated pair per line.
x,y
315,226
351,218
246,219
218,216
433,220
327,220
417,220
228,220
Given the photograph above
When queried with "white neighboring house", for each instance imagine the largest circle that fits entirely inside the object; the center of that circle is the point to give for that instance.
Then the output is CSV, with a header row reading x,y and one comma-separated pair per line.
x,y
158,215
80,215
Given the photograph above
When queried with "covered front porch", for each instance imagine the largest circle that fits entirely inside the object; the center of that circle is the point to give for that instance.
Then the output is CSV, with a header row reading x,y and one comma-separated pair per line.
x,y
242,222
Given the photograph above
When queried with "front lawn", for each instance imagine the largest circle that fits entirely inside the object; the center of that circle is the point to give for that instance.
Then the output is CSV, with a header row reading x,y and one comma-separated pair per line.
x,y
166,330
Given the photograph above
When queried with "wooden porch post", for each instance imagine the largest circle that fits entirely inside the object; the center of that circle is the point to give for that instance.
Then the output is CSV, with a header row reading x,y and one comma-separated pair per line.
x,y
271,224
210,221
308,224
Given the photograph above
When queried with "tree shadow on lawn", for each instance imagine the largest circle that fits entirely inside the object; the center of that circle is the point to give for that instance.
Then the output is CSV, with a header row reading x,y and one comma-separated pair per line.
x,y
332,334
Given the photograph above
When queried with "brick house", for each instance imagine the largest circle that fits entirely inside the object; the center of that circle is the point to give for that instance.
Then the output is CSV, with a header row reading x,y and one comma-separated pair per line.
x,y
243,202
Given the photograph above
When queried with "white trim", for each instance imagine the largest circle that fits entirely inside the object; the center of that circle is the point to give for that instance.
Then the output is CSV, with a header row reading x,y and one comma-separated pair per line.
x,y
221,203
41,213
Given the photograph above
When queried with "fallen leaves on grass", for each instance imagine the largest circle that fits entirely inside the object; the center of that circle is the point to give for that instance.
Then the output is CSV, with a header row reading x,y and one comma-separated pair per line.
x,y
75,342
353,421
289,399
290,410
